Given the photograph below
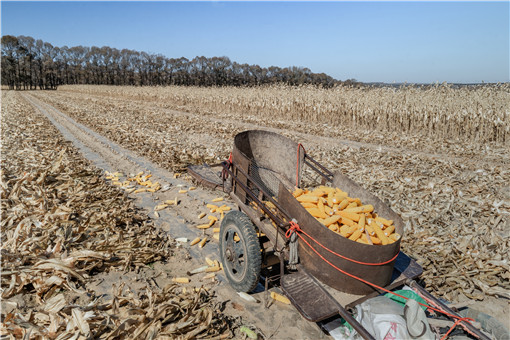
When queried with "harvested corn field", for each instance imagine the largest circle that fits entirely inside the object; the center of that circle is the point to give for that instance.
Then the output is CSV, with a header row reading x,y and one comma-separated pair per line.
x,y
79,259
478,113
453,195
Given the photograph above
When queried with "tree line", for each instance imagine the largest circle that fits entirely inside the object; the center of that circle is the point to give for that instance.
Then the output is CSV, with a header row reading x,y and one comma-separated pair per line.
x,y
29,64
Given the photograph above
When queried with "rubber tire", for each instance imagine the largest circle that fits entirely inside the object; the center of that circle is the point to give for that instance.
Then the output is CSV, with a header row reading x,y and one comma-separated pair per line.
x,y
240,223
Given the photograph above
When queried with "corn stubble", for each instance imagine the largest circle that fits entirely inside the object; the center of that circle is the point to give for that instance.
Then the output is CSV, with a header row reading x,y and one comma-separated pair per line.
x,y
475,113
451,193
61,225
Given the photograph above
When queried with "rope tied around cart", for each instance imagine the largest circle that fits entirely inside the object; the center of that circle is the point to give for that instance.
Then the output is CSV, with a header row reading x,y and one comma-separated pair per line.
x,y
295,229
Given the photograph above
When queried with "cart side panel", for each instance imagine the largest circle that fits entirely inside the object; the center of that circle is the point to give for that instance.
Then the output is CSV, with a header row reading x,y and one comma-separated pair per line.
x,y
271,152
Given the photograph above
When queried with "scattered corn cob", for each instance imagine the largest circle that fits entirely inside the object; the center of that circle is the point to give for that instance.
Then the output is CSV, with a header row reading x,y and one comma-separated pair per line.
x,y
195,241
202,243
181,280
212,269
202,215
209,276
217,199
160,207
182,191
280,298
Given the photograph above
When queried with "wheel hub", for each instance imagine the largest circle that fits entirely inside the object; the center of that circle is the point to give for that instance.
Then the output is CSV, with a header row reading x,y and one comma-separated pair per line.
x,y
229,255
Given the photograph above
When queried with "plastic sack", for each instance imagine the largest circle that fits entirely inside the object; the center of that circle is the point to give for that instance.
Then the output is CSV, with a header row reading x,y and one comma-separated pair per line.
x,y
383,318
386,319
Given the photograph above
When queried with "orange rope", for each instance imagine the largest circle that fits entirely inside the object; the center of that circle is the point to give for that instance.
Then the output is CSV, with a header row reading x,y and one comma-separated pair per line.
x,y
294,227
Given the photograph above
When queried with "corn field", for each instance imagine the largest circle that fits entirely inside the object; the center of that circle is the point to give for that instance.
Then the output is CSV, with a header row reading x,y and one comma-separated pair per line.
x,y
477,113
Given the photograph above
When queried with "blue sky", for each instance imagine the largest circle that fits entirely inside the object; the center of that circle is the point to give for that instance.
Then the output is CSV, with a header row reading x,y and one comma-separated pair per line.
x,y
417,42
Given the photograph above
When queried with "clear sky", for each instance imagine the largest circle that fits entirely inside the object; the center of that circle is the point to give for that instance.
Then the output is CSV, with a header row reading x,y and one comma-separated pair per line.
x,y
369,41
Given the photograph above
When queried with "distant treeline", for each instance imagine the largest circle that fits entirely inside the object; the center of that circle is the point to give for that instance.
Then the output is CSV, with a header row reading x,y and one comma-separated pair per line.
x,y
34,64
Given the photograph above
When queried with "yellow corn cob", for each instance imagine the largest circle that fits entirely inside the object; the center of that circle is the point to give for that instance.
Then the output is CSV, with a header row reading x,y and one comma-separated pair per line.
x,y
216,230
360,209
297,192
333,227
351,216
209,262
140,190
212,206
375,240
389,230
316,213
217,199
216,236
308,199
351,205
309,205
380,234
202,243
224,208
343,204
332,219
348,221
212,269
320,206
355,235
176,175
203,226
181,280
280,298
160,207
212,218
202,215
361,221
384,221
182,191
209,276
192,188
395,236
195,241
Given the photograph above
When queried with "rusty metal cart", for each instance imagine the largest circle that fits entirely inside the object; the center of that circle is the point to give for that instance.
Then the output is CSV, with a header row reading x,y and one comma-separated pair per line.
x,y
260,175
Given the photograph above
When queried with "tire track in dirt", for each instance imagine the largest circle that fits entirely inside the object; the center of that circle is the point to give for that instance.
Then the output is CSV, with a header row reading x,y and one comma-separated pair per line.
x,y
109,156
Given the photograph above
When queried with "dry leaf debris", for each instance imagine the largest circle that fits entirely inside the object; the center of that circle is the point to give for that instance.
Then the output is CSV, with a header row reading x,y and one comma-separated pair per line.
x,y
62,224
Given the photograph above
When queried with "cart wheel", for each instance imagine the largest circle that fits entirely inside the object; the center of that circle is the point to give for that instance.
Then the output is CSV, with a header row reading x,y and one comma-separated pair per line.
x,y
240,251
